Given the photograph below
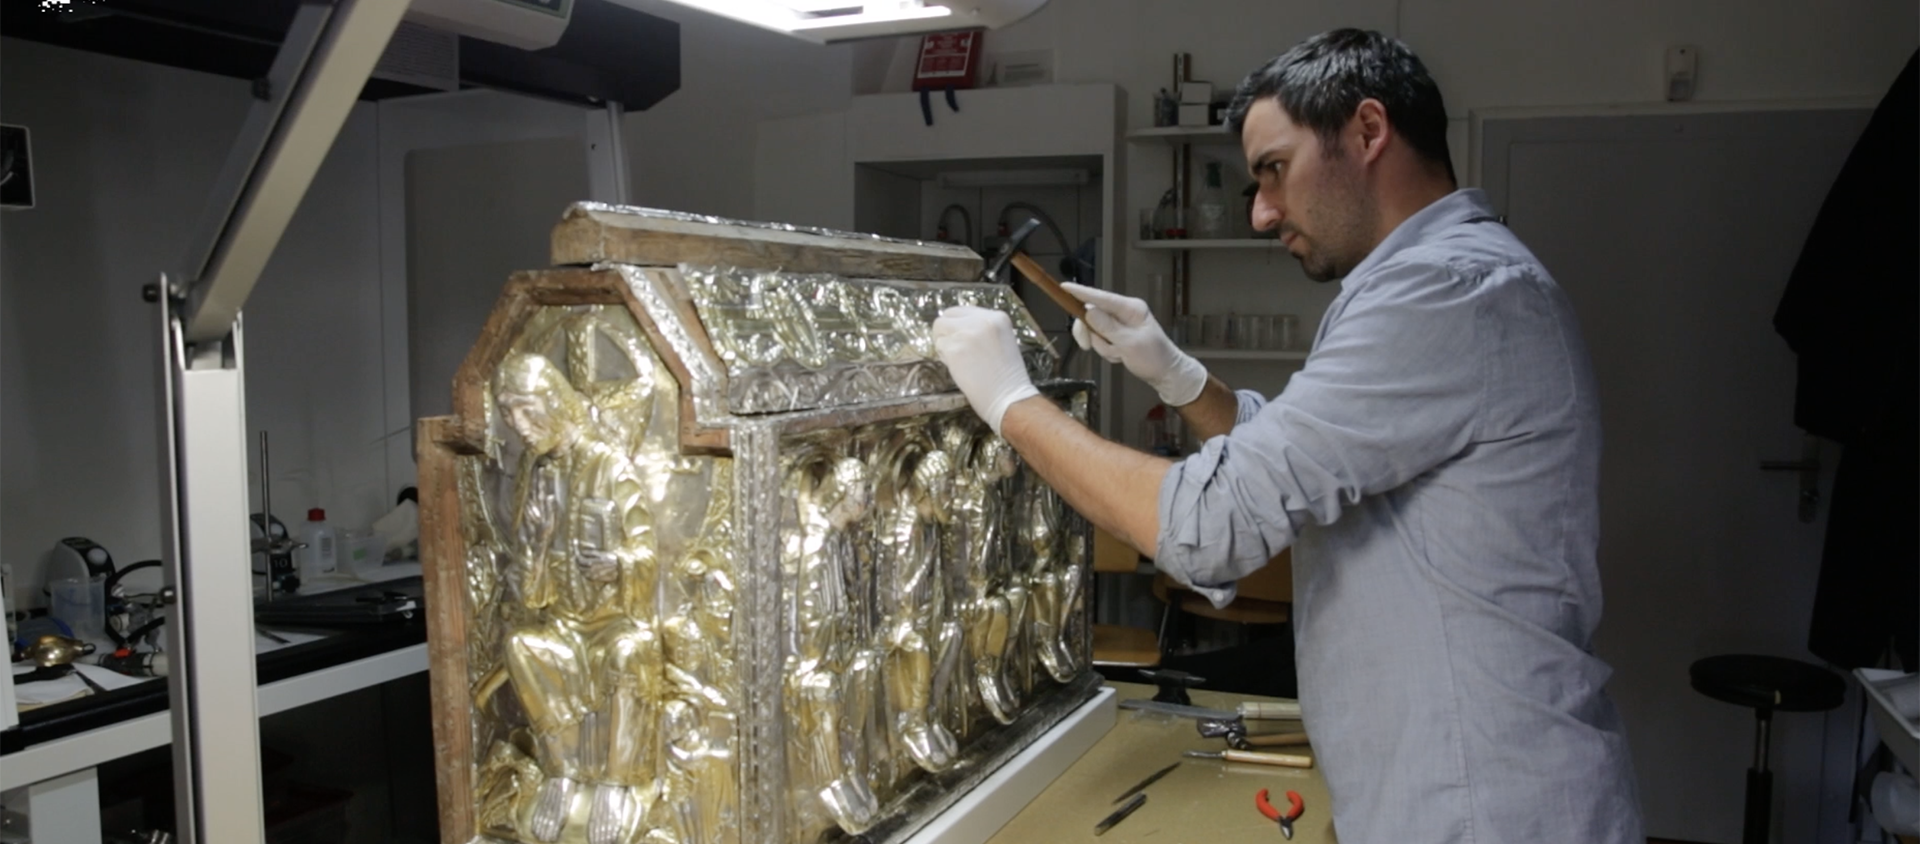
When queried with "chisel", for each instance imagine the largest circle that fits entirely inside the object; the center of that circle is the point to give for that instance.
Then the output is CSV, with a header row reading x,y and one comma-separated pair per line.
x,y
1252,757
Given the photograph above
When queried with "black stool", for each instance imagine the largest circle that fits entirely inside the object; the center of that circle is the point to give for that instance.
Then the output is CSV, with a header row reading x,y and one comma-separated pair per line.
x,y
1765,684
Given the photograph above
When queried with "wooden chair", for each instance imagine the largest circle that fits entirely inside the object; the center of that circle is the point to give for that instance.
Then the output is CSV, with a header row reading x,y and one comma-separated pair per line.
x,y
1118,645
1264,597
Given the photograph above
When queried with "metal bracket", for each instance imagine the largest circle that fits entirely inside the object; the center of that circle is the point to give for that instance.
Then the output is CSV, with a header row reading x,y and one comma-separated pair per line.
x,y
329,50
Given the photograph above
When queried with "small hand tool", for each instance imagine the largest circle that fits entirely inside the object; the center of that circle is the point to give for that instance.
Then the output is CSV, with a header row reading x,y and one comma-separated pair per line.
x,y
1294,809
1284,760
1251,711
1007,249
1150,780
1010,253
1120,814
1234,730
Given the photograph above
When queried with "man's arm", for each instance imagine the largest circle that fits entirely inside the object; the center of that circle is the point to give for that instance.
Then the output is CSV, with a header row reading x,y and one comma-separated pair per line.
x,y
1114,486
1213,413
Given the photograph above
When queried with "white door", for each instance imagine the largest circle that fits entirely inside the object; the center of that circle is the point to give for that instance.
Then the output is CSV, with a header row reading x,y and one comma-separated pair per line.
x,y
1674,236
471,183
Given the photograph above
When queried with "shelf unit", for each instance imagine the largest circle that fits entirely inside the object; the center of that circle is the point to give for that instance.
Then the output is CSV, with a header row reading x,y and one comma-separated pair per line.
x,y
1182,244
1183,134
1244,354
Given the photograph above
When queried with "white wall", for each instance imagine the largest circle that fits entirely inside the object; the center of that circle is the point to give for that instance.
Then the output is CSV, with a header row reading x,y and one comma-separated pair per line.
x,y
125,155
695,150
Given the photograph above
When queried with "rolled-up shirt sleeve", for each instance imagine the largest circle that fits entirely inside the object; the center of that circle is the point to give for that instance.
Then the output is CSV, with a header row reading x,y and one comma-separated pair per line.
x,y
1393,388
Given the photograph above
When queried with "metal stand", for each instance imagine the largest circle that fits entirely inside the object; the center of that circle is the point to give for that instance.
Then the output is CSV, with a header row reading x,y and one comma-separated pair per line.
x,y
299,108
1756,826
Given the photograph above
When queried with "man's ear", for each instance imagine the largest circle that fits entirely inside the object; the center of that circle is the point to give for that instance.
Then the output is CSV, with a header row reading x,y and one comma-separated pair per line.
x,y
1370,129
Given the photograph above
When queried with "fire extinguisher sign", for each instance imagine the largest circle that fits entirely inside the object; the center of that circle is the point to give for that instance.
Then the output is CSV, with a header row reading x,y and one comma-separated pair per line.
x,y
947,59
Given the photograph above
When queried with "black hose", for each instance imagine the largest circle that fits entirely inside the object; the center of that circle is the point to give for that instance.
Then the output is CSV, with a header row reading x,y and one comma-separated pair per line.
x,y
114,579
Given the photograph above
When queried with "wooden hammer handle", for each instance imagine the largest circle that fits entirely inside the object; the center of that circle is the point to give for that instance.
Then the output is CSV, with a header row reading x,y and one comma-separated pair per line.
x,y
1278,740
1270,710
1038,275
1285,760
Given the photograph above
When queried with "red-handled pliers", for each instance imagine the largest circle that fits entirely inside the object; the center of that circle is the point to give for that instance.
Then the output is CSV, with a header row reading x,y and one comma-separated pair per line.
x,y
1294,810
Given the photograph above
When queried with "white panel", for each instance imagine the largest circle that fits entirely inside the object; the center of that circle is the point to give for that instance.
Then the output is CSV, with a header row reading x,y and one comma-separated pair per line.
x,y
434,122
977,816
216,604
66,810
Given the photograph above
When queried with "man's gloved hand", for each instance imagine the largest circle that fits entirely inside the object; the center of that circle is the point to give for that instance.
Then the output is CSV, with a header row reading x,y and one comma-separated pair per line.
x,y
1133,338
979,349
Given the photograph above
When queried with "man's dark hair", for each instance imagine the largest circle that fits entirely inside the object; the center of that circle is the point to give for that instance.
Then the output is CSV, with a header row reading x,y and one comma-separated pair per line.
x,y
1321,81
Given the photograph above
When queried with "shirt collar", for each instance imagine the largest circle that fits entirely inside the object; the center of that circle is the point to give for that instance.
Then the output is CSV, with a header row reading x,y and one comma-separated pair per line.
x,y
1466,205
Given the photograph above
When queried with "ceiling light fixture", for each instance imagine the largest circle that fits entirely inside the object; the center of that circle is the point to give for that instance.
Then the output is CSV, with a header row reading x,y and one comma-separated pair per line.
x,y
828,21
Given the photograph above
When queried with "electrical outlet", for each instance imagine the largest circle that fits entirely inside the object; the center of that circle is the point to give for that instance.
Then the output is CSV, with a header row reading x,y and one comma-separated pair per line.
x,y
16,168
1682,72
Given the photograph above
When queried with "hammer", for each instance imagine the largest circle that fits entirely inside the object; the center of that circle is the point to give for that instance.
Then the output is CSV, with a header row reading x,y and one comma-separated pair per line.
x,y
1010,253
1234,730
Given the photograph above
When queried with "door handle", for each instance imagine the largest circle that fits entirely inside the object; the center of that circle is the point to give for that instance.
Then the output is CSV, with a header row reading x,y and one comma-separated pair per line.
x,y
1809,468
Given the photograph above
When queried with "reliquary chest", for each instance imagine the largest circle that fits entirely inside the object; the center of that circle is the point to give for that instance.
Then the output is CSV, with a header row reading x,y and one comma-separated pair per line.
x,y
715,552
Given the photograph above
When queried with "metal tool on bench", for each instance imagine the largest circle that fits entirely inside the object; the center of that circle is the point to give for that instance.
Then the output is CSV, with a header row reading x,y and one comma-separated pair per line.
x,y
1249,710
1234,730
1120,814
1295,808
1252,757
1173,684
1150,780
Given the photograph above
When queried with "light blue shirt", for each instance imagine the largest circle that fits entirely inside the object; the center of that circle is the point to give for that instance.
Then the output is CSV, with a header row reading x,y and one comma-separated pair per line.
x,y
1435,467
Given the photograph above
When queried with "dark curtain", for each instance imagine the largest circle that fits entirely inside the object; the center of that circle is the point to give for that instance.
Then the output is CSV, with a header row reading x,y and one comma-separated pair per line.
x,y
1851,314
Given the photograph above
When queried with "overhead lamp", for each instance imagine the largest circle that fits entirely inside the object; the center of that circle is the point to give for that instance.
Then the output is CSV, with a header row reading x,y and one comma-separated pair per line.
x,y
828,21
1012,178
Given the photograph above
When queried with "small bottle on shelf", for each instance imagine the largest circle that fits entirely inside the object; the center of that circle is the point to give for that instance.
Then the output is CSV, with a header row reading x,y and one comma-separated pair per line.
x,y
1212,213
323,548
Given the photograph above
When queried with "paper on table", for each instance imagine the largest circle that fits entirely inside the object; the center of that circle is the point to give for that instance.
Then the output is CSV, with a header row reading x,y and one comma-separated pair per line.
x,y
31,695
262,644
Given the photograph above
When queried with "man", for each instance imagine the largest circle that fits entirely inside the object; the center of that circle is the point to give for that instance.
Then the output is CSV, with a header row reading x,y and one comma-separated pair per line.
x,y
1434,465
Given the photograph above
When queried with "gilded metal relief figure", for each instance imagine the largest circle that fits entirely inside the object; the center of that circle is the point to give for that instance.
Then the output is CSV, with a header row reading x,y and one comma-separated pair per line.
x,y
979,555
1053,581
914,488
589,673
829,493
599,555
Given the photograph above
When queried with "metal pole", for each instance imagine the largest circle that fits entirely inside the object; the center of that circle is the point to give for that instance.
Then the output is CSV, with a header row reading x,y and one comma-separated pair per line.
x,y
330,49
216,729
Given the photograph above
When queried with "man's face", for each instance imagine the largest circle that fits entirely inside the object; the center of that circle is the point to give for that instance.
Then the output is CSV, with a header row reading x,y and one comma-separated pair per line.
x,y
1313,196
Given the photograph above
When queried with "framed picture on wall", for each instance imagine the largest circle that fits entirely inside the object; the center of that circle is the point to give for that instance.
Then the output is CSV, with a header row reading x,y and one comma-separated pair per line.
x,y
16,171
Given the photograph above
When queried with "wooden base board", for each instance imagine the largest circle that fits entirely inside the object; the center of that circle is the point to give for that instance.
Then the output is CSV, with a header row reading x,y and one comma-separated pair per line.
x,y
980,814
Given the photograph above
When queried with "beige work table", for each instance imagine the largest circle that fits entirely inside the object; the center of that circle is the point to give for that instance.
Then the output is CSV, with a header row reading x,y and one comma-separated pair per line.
x,y
1204,801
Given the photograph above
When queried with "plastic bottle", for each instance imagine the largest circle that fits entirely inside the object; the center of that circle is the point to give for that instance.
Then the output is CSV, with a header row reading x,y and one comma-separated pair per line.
x,y
322,554
1212,213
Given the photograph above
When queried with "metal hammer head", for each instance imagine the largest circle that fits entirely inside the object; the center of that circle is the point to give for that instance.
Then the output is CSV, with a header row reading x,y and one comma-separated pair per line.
x,y
1013,244
1234,730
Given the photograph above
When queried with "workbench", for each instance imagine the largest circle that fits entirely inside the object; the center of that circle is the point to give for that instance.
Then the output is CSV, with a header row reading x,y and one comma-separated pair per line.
x,y
1203,800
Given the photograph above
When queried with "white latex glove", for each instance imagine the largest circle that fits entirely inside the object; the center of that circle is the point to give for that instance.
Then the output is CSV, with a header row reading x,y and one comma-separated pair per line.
x,y
1134,339
981,354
